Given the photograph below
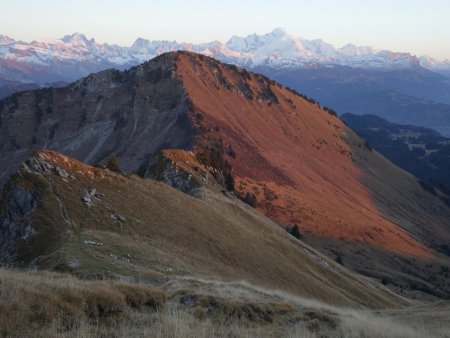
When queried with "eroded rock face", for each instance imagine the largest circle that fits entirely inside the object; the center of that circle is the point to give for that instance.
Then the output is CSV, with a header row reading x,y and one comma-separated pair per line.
x,y
22,196
15,227
40,163
171,175
132,114
182,171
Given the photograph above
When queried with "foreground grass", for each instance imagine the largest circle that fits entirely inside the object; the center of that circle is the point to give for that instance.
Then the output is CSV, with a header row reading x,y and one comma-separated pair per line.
x,y
34,301
45,304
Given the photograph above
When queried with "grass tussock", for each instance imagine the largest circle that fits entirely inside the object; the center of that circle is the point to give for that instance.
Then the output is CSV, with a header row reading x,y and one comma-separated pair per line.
x,y
214,306
182,324
45,304
33,301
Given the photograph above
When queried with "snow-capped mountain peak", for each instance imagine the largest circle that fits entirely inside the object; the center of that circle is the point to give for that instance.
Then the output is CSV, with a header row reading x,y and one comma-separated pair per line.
x,y
6,40
432,64
140,43
279,32
77,39
253,42
353,50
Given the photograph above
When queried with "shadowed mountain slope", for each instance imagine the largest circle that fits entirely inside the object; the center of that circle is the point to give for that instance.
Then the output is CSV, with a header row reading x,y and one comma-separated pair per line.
x,y
132,114
421,151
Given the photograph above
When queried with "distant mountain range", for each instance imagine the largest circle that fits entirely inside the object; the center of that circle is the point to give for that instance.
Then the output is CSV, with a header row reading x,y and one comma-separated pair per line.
x,y
274,49
355,79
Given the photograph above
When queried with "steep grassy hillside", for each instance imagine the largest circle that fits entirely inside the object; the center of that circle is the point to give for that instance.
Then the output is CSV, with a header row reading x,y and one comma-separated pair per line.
x,y
58,213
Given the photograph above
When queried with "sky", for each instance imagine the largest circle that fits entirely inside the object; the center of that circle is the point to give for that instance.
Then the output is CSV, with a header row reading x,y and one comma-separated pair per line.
x,y
416,26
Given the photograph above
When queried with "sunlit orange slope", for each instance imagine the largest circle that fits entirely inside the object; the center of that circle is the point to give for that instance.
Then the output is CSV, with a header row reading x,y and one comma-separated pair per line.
x,y
292,154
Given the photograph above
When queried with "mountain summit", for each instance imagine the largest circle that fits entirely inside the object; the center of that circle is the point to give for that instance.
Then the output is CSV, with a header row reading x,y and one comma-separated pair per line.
x,y
190,120
76,39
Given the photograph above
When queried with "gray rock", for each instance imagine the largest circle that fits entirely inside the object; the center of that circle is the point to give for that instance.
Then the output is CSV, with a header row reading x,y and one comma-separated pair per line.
x,y
15,227
90,192
61,172
88,201
94,243
117,217
90,195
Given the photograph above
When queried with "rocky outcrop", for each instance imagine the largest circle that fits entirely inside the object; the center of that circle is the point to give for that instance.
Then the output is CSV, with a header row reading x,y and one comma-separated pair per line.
x,y
41,163
90,196
22,197
180,169
18,202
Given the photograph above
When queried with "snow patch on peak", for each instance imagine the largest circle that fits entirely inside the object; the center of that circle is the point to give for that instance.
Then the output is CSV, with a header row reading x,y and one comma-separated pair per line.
x,y
439,66
140,43
6,40
237,42
77,38
353,50
279,32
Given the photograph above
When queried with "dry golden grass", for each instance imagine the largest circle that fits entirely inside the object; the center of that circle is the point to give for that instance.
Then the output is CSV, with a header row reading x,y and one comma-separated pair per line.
x,y
167,232
205,265
32,301
45,304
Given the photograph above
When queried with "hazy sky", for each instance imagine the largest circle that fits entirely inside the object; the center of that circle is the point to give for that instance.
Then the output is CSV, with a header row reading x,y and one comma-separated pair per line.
x,y
417,26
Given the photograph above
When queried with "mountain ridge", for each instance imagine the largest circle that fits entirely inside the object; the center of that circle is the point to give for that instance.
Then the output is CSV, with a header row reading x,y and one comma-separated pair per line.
x,y
244,128
60,230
